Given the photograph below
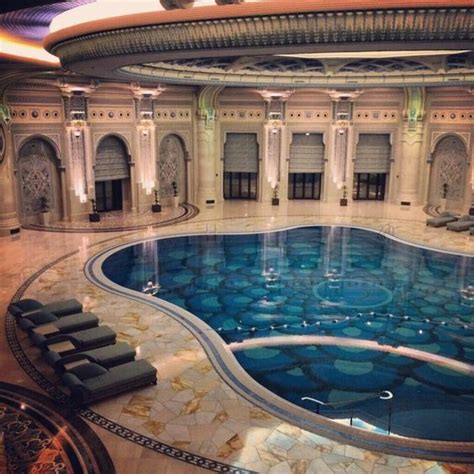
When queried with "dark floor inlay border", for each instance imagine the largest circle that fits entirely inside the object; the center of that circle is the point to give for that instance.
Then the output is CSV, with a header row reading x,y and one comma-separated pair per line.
x,y
189,211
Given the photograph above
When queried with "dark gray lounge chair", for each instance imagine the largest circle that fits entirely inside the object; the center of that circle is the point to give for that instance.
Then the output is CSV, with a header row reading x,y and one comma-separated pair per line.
x,y
58,308
108,356
441,220
76,341
464,223
48,324
91,382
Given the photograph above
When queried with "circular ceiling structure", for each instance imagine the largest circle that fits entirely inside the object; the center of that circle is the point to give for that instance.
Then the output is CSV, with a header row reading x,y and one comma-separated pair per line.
x,y
278,43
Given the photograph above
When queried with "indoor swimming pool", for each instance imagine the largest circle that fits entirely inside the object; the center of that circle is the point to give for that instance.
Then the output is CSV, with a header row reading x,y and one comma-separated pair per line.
x,y
347,323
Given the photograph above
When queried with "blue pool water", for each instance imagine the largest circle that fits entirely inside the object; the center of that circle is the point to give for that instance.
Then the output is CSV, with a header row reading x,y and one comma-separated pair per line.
x,y
378,315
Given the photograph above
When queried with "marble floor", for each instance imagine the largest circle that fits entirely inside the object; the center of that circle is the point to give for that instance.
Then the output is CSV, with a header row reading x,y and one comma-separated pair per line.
x,y
192,409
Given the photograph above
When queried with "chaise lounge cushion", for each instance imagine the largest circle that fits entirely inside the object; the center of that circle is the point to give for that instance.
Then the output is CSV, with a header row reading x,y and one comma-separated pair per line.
x,y
58,308
86,388
441,220
464,223
74,322
81,340
107,356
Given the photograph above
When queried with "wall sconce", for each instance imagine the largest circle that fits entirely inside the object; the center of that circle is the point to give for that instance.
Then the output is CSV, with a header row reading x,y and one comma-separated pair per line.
x,y
340,131
274,131
144,133
77,133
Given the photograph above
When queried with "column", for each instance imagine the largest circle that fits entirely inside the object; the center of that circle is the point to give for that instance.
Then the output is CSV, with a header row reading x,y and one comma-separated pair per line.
x,y
145,172
274,144
341,144
9,222
207,144
412,139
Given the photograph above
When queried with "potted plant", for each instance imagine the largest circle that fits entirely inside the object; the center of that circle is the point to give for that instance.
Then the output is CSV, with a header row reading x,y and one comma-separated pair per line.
x,y
175,198
275,198
343,200
444,196
45,215
94,216
156,207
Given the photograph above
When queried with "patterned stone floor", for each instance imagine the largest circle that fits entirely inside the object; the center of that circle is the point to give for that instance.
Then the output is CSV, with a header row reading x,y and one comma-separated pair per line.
x,y
37,438
119,220
192,409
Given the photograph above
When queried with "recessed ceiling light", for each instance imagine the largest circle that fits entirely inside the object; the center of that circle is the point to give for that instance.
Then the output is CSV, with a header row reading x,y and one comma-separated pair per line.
x,y
374,54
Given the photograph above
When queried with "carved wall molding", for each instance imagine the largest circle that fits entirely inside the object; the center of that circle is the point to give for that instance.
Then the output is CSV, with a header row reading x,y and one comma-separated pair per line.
x,y
300,115
184,134
173,114
110,114
436,137
126,137
235,114
380,115
36,114
452,116
19,139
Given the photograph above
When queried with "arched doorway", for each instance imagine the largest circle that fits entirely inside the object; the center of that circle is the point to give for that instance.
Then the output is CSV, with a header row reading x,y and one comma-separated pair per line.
x,y
172,168
448,176
112,175
38,181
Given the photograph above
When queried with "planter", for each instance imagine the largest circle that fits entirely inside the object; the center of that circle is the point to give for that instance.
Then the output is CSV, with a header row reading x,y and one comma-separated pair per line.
x,y
275,201
343,202
156,207
45,218
175,201
94,217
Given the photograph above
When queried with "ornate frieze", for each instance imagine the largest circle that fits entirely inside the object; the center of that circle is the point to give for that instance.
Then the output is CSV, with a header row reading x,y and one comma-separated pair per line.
x,y
173,114
302,115
379,115
23,114
452,116
109,114
235,114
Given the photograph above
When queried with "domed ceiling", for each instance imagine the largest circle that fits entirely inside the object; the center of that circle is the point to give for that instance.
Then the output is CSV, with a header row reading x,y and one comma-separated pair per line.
x,y
282,43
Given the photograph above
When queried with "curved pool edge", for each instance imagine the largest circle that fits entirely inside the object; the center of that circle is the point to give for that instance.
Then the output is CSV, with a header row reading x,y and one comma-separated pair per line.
x,y
235,376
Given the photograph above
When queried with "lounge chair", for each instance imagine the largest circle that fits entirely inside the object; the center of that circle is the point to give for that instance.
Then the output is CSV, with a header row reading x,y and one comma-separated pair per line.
x,y
58,308
108,356
441,220
91,382
76,341
464,223
48,324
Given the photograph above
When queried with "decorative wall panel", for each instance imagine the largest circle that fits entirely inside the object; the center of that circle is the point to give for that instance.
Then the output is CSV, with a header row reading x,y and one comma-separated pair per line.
x,y
35,174
172,167
451,158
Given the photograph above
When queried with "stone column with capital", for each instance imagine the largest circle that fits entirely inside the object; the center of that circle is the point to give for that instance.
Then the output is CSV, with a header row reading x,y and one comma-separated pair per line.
x,y
339,167
79,153
207,133
274,184
412,140
9,222
145,172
